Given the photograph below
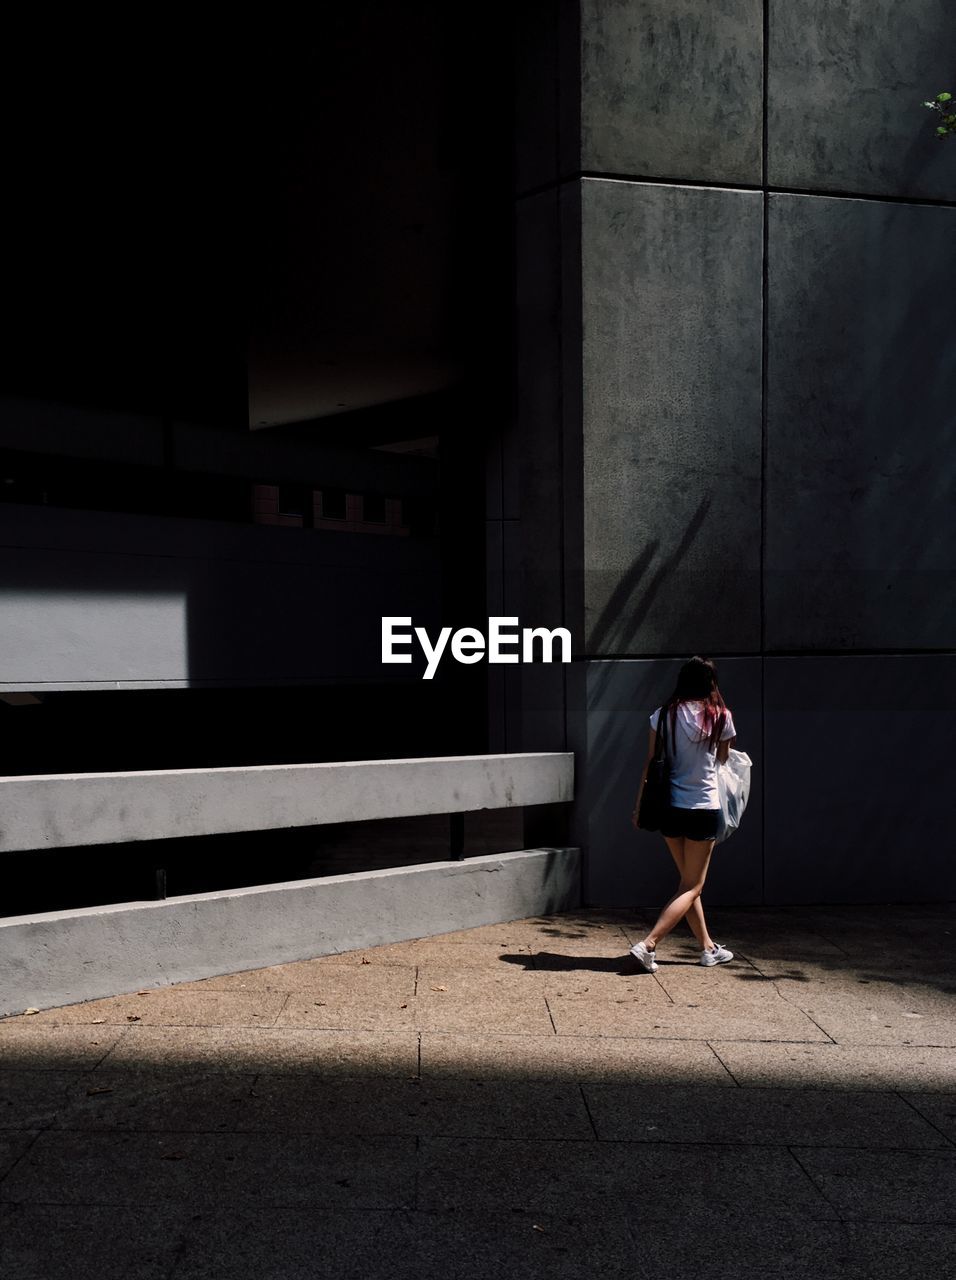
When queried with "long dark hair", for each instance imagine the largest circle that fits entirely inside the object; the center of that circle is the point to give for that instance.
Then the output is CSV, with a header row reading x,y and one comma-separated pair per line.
x,y
697,682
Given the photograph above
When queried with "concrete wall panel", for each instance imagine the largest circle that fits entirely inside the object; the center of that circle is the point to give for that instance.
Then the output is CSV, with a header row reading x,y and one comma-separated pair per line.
x,y
845,85
672,418
672,88
861,395
859,779
624,866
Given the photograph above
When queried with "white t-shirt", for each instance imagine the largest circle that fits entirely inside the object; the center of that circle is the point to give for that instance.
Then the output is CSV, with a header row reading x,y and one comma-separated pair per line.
x,y
693,764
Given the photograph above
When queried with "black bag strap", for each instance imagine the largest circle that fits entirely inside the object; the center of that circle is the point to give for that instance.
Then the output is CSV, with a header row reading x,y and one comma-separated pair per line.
x,y
660,746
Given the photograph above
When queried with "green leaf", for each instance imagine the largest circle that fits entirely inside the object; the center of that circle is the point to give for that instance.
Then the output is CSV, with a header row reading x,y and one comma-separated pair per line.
x,y
943,97
942,131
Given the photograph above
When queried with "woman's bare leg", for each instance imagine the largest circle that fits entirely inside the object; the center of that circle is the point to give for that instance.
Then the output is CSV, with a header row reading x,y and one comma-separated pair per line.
x,y
696,860
695,913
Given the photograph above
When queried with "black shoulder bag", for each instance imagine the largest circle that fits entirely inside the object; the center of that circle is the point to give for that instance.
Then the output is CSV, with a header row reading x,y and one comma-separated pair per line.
x,y
656,796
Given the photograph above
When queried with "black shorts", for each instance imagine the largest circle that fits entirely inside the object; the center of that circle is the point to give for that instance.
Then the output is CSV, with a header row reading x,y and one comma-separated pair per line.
x,y
694,824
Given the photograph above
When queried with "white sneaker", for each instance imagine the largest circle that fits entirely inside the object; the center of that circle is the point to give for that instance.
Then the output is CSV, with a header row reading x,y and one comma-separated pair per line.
x,y
646,959
719,955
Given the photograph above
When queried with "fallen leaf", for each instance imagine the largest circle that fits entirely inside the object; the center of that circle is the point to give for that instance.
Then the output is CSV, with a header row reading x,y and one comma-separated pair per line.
x,y
133,1017
439,988
95,1022
365,960
31,1011
91,1093
319,1002
403,1006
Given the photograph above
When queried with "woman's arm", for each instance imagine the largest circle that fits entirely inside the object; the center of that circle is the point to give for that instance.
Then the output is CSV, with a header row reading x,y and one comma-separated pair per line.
x,y
650,756
723,749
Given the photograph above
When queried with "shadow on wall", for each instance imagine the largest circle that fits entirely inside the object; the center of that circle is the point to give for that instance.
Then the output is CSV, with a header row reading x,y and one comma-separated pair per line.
x,y
619,622
614,745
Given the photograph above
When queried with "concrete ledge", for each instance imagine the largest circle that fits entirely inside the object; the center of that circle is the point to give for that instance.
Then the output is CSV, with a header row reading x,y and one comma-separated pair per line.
x,y
48,811
63,957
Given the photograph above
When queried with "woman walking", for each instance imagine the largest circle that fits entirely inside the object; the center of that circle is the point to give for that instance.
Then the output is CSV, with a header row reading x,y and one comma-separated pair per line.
x,y
698,732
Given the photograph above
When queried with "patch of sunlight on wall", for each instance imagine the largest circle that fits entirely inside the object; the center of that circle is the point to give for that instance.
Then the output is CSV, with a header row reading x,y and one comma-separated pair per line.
x,y
75,638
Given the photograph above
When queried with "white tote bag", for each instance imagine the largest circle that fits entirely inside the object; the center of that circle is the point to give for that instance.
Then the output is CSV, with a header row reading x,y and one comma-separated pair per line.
x,y
733,788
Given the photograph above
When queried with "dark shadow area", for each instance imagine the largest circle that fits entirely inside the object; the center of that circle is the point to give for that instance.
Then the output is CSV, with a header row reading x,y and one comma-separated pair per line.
x,y
104,732
93,875
554,961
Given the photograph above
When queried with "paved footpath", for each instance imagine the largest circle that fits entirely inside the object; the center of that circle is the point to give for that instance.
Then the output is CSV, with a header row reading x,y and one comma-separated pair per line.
x,y
515,1100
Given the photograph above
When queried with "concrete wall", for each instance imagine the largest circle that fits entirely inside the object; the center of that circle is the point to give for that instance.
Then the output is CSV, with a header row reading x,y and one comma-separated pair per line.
x,y
846,81
861,389
64,957
670,417
739,378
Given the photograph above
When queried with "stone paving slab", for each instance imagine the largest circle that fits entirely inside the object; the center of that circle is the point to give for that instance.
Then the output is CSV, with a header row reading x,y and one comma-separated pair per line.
x,y
615,980
27,1044
428,1012
849,1021
170,1007
404,1245
33,1099
833,1066
897,1249
748,942
751,1248
357,1053
542,931
926,993
188,1169
779,1021
12,1147
458,955
580,1177
918,1186
578,1058
723,985
646,995
446,1012
325,981
938,1108
394,1014
65,1242
760,1117
169,1101
903,967
456,1108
